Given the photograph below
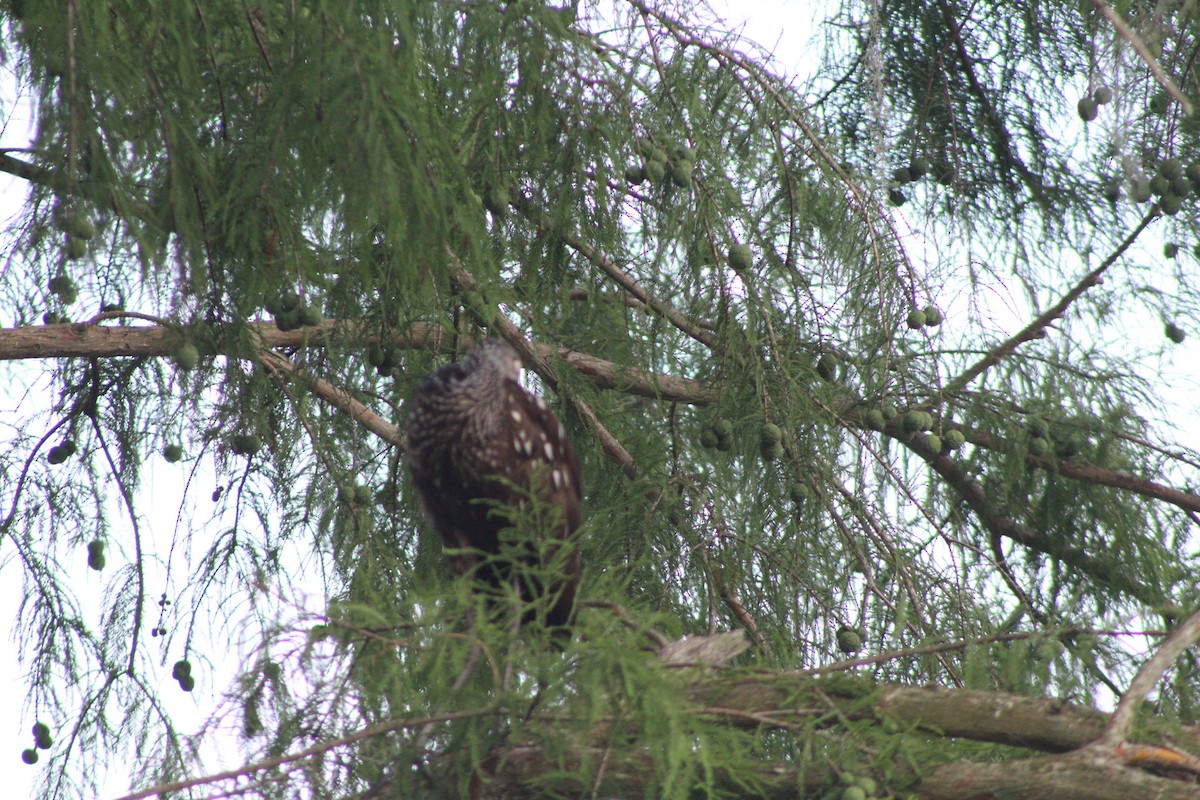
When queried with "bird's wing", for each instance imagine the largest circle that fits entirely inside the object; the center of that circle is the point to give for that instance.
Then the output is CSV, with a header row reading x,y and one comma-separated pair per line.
x,y
538,438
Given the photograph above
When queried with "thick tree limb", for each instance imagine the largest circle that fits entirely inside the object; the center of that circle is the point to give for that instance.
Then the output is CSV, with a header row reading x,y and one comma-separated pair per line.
x,y
782,699
105,341
1072,777
1034,723
525,771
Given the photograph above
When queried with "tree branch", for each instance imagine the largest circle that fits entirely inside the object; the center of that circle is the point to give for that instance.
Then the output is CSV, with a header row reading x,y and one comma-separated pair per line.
x,y
1001,138
781,700
339,398
1037,328
1089,473
1071,777
102,341
1121,724
1000,525
240,773
620,276
1125,32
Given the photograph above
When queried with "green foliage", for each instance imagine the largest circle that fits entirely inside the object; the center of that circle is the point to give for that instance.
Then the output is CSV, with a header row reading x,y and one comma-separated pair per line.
x,y
729,293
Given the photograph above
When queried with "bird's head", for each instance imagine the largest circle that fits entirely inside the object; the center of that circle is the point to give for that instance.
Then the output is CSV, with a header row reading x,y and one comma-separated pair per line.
x,y
494,358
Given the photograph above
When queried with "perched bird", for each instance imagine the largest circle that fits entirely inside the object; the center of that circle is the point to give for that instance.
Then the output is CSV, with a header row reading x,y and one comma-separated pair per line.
x,y
483,450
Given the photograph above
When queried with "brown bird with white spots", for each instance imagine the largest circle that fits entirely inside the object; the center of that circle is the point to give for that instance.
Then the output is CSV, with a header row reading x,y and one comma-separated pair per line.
x,y
481,449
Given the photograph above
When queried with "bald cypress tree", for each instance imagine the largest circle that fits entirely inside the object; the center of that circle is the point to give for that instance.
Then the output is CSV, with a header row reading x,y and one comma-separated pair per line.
x,y
877,378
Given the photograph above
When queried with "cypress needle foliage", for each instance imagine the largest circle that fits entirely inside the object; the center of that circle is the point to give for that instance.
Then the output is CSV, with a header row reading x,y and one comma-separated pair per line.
x,y
306,207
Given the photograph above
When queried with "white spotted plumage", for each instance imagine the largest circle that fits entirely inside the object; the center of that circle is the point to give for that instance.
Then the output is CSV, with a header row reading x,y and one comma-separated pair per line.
x,y
474,435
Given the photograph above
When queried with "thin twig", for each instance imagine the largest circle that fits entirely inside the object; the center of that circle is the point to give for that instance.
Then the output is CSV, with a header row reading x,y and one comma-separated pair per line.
x,y
339,398
623,616
620,276
1125,32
